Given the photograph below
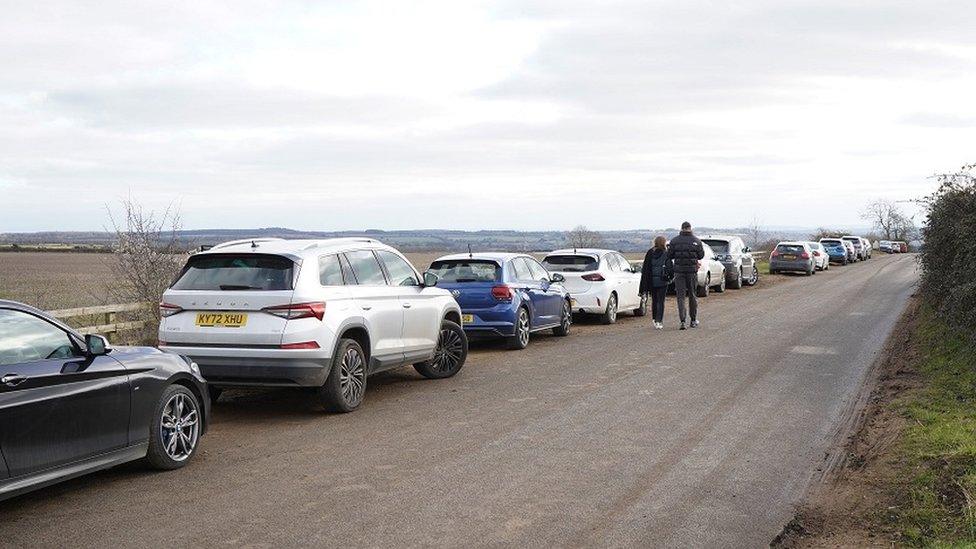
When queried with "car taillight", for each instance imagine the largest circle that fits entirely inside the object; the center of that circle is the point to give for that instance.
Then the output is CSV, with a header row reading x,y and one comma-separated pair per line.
x,y
774,254
298,310
168,309
805,255
816,254
501,293
302,345
593,277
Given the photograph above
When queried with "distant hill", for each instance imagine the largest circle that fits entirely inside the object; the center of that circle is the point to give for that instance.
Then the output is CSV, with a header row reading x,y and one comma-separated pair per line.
x,y
423,240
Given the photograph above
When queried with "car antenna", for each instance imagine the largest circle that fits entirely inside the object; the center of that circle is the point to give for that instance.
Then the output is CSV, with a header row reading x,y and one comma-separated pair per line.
x,y
470,254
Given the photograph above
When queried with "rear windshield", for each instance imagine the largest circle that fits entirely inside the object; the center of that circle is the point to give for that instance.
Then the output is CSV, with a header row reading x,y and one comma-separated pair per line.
x,y
571,263
789,249
855,241
718,246
467,270
236,272
831,242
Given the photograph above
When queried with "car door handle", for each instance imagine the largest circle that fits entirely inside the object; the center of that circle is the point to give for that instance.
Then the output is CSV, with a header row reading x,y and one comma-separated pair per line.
x,y
12,380
367,307
407,305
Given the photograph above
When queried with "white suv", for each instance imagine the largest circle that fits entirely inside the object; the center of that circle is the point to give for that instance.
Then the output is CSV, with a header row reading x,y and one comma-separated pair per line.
x,y
310,313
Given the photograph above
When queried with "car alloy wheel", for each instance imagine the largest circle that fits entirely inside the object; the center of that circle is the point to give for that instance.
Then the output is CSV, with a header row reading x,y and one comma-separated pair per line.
x,y
611,315
449,352
754,277
352,377
522,330
180,426
565,321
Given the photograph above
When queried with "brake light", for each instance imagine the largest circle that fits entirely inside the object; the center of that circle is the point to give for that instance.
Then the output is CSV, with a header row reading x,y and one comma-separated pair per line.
x,y
774,254
593,277
295,311
302,345
805,255
168,309
501,293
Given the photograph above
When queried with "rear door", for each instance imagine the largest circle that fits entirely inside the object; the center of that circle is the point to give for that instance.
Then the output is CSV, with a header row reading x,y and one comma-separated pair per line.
x,y
56,405
380,305
221,297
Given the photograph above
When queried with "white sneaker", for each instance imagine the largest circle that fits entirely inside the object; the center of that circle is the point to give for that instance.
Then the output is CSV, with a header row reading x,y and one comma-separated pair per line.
x,y
658,325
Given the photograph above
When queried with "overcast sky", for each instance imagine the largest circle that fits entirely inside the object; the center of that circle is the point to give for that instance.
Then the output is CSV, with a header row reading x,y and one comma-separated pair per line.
x,y
514,114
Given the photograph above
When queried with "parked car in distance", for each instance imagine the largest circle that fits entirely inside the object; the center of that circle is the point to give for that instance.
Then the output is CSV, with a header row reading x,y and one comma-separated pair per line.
x,y
837,251
506,295
71,405
852,256
885,246
821,260
732,252
858,243
310,313
903,247
600,282
711,274
867,248
792,256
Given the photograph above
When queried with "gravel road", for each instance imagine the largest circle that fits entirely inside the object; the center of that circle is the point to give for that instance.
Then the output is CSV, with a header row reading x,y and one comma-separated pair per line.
x,y
618,435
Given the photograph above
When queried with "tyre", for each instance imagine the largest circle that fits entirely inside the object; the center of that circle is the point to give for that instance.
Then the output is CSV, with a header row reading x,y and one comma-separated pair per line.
x,y
754,277
345,387
523,329
702,291
721,285
215,392
565,321
175,429
737,281
610,315
810,271
451,352
641,309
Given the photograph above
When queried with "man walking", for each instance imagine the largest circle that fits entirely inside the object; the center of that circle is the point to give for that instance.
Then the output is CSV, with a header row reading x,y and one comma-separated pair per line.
x,y
687,252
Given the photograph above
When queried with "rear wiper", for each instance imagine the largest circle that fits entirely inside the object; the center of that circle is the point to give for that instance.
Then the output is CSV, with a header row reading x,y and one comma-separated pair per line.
x,y
237,287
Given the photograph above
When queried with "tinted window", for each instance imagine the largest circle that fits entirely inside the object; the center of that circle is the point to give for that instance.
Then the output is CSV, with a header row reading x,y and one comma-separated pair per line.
x,y
26,338
401,273
236,272
522,271
366,267
790,249
856,242
719,246
571,263
330,272
831,242
466,270
538,271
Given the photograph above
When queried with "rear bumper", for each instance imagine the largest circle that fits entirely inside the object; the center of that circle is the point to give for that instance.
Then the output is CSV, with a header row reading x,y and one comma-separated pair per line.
x,y
223,367
497,321
803,266
590,302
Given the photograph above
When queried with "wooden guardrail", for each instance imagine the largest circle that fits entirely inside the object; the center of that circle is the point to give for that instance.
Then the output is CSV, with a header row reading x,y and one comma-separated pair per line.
x,y
103,319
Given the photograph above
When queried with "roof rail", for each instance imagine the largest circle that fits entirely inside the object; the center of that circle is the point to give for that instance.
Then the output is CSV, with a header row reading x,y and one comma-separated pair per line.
x,y
245,241
342,239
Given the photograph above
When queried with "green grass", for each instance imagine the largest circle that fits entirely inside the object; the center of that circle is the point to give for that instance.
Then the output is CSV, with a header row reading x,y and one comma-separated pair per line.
x,y
763,267
940,443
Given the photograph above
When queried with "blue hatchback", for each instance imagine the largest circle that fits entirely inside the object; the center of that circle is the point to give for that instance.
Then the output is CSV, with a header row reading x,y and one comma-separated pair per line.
x,y
835,249
505,295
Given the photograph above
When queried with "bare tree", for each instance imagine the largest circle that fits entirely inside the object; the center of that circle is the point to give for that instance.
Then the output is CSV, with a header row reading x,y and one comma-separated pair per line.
x,y
888,219
583,237
755,234
147,253
824,232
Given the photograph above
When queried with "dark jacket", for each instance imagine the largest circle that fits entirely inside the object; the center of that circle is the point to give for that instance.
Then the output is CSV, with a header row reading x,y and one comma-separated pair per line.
x,y
686,251
658,270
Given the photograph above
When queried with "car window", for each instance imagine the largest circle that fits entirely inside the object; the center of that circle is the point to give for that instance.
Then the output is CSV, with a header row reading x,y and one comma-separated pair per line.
x,y
538,271
790,249
236,272
330,271
719,246
401,273
611,262
571,263
27,338
624,264
522,271
466,270
347,273
366,268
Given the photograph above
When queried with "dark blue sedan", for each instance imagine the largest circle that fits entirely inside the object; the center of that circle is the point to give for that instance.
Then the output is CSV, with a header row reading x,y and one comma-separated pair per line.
x,y
505,295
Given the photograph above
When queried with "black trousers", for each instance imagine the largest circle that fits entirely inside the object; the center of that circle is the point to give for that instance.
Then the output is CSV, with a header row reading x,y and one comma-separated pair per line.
x,y
657,302
686,284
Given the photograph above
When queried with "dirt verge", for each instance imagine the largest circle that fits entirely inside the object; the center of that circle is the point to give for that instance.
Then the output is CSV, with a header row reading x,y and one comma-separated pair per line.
x,y
847,507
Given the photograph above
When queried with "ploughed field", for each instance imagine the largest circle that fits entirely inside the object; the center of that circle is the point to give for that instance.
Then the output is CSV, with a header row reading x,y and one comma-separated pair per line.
x,y
50,280
614,436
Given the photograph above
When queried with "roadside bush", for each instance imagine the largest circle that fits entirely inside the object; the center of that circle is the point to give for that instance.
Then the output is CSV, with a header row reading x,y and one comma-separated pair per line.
x,y
948,255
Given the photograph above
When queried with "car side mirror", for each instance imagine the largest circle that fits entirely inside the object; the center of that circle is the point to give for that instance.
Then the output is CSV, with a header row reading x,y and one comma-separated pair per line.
x,y
96,345
430,279
556,277
747,249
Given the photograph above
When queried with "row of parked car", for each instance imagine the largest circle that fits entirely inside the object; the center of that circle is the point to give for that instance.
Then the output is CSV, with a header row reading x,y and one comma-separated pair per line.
x,y
810,257
318,314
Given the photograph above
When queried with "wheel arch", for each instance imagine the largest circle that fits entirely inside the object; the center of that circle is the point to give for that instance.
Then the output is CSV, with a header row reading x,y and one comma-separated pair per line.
x,y
357,333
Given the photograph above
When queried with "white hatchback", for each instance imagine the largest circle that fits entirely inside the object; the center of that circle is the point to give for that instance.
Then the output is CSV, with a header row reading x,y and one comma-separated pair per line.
x,y
599,281
310,313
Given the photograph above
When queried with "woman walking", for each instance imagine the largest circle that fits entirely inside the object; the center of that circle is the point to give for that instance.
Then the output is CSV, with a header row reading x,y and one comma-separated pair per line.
x,y
656,274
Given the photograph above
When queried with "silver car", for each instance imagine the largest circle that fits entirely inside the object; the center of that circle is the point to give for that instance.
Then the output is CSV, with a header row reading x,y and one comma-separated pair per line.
x,y
732,252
